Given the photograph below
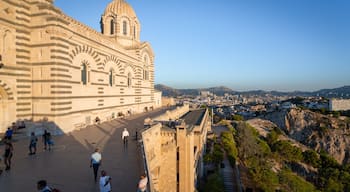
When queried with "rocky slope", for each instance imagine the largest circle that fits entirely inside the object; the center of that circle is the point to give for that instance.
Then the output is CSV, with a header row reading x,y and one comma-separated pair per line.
x,y
317,131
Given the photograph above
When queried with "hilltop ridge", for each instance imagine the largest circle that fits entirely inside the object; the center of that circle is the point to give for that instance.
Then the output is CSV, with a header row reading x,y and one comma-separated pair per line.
x,y
340,92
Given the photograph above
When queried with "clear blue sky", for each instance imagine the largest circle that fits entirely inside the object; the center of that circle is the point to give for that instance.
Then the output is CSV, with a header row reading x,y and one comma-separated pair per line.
x,y
242,44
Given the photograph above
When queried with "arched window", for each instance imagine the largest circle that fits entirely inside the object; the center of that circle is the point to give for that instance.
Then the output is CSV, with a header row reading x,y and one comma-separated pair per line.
x,y
125,31
134,32
145,73
145,68
102,26
112,27
111,78
84,74
129,79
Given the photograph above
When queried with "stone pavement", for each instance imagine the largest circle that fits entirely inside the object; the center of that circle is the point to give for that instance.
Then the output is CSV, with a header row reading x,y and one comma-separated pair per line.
x,y
67,166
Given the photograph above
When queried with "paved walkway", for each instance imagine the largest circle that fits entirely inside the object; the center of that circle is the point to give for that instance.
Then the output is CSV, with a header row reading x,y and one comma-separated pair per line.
x,y
67,166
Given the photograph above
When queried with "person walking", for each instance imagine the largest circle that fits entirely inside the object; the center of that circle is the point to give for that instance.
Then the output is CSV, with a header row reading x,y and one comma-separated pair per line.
x,y
32,144
8,155
47,140
142,185
95,162
8,134
105,182
125,135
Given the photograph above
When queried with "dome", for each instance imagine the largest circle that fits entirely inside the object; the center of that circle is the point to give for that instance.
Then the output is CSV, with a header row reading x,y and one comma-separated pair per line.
x,y
120,7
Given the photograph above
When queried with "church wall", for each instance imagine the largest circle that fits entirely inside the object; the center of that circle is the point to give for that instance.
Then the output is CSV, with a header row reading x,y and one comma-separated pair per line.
x,y
43,68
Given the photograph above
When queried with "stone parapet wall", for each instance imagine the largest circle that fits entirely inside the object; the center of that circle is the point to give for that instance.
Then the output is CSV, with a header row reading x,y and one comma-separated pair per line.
x,y
173,114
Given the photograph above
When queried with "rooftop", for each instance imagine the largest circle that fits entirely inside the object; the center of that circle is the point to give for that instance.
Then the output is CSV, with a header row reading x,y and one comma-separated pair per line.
x,y
194,117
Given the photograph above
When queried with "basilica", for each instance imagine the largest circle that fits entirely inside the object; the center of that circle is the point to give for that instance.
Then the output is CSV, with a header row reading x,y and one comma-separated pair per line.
x,y
56,69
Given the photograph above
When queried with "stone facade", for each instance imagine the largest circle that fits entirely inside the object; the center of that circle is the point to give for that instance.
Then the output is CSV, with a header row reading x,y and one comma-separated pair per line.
x,y
339,104
59,70
168,101
174,149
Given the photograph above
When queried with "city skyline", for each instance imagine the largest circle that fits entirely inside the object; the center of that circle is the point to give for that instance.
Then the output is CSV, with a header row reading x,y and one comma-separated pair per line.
x,y
245,45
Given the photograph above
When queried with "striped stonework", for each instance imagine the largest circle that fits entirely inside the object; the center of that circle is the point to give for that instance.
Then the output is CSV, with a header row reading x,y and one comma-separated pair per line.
x,y
58,69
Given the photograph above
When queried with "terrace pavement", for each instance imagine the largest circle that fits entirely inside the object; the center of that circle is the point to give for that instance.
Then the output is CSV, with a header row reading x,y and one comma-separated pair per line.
x,y
67,165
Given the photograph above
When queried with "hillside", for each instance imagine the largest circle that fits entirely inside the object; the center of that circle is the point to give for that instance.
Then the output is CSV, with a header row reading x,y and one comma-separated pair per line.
x,y
168,91
341,92
317,131
295,148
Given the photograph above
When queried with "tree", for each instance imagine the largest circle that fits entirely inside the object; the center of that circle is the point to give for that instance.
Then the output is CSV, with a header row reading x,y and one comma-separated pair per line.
x,y
237,117
288,151
214,183
333,186
272,137
291,182
311,157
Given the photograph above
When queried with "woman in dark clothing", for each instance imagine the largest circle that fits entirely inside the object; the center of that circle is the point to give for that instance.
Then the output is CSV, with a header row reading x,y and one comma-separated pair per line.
x,y
8,155
47,140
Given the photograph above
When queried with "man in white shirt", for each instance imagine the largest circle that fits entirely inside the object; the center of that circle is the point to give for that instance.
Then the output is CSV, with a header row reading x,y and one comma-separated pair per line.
x,y
125,136
105,182
95,162
142,186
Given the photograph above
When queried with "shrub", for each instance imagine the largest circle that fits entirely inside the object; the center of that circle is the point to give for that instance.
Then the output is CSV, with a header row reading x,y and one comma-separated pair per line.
x,y
311,157
230,147
291,182
214,183
237,118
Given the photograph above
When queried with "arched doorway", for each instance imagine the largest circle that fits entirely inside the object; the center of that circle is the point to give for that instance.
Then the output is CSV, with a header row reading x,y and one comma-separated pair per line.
x,y
4,118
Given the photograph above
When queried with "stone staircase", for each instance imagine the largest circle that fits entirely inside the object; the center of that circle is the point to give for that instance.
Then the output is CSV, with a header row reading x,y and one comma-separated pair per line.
x,y
227,174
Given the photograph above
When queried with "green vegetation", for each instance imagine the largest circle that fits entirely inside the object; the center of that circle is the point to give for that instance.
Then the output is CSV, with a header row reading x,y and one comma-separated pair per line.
x,y
217,119
260,154
229,145
333,176
311,157
292,183
287,151
255,153
214,183
203,106
228,125
216,156
237,118
272,137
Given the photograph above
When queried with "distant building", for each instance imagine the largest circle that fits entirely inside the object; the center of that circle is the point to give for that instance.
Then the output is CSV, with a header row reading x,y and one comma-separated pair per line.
x,y
168,101
339,104
205,93
174,149
57,69
158,99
